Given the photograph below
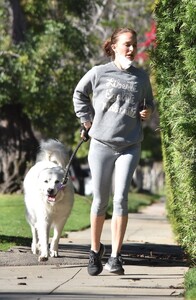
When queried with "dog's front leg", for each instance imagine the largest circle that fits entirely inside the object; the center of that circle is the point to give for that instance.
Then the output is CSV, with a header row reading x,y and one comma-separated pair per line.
x,y
34,245
43,234
55,240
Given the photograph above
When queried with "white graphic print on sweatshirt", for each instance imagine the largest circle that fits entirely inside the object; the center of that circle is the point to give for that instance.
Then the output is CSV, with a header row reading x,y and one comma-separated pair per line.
x,y
119,98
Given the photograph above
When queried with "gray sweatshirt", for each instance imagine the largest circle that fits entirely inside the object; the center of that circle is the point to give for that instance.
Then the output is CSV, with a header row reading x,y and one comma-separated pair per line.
x,y
111,99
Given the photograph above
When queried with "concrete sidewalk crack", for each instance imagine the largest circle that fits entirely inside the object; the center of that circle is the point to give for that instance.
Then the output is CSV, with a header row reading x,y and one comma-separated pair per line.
x,y
65,281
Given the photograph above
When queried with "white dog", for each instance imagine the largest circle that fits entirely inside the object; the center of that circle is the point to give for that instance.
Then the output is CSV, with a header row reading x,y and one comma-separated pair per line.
x,y
48,201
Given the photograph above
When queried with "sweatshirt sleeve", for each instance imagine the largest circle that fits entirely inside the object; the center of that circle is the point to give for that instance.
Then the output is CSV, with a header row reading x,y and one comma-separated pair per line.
x,y
82,97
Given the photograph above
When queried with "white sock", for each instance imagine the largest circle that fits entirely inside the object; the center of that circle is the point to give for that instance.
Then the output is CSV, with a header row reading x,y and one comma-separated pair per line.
x,y
94,250
114,254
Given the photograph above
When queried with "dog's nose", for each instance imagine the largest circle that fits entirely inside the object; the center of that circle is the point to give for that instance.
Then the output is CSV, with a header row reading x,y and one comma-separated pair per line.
x,y
50,191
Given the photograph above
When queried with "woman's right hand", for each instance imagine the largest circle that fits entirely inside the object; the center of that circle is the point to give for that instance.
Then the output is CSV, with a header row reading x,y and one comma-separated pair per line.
x,y
87,125
145,114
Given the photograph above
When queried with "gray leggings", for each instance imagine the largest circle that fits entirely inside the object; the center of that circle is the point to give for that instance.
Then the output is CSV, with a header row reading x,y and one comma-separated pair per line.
x,y
102,161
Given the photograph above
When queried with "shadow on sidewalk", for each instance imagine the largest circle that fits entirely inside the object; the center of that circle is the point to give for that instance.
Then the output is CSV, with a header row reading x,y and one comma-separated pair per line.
x,y
135,254
138,254
143,254
148,254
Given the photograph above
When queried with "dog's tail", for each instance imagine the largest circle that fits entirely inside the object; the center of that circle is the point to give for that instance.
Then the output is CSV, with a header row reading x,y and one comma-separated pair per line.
x,y
54,151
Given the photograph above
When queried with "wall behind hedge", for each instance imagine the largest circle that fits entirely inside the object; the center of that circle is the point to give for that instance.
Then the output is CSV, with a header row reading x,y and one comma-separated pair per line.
x,y
174,61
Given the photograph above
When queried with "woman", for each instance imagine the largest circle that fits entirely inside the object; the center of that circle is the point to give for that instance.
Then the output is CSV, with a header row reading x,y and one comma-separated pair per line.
x,y
109,100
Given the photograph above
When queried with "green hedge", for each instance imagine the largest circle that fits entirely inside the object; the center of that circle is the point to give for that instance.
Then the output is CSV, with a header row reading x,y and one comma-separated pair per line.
x,y
190,284
174,61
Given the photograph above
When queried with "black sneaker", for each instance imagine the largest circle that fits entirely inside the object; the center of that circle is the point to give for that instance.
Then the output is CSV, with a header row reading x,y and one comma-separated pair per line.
x,y
114,265
95,266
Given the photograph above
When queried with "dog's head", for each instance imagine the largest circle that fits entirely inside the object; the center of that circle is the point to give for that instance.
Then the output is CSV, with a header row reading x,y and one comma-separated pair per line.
x,y
50,183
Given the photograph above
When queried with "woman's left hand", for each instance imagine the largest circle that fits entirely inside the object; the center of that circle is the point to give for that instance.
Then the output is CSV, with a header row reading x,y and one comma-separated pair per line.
x,y
145,114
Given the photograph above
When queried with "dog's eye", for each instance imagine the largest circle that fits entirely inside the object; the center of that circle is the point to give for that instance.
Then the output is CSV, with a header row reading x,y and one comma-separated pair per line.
x,y
57,181
46,181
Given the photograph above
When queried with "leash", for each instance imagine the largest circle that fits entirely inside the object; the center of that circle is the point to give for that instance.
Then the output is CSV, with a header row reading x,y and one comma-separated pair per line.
x,y
84,139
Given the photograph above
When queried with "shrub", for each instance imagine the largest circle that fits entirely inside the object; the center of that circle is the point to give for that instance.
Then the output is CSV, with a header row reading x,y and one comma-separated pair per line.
x,y
174,61
190,284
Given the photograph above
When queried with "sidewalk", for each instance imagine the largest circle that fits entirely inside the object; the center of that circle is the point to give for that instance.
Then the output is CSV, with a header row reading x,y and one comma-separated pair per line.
x,y
154,265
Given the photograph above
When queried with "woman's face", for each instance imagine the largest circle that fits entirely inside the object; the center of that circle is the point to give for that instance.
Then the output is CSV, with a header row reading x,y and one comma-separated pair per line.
x,y
126,45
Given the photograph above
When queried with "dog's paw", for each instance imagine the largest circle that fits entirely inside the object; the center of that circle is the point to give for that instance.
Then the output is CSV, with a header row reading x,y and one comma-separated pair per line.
x,y
42,258
53,253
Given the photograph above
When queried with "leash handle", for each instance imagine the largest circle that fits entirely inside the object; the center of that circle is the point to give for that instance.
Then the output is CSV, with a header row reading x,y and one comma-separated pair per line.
x,y
85,133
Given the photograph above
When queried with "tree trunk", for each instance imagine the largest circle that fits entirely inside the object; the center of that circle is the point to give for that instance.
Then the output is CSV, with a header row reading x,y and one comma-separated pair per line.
x,y
18,22
18,147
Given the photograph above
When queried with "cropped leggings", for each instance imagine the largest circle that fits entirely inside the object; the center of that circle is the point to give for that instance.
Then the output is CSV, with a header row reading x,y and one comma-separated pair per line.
x,y
103,160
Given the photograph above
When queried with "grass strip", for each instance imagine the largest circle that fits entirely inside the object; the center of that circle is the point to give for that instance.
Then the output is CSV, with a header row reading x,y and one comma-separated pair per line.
x,y
15,231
